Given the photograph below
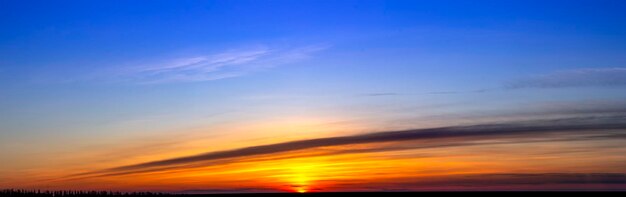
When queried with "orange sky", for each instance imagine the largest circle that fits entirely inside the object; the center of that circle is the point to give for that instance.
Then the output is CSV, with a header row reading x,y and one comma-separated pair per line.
x,y
422,164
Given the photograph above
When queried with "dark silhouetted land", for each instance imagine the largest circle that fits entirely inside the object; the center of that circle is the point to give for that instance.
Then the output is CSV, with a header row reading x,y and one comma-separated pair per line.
x,y
68,193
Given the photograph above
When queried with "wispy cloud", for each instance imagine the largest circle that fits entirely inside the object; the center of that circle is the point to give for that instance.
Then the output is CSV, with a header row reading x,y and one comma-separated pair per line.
x,y
379,94
586,77
227,64
574,78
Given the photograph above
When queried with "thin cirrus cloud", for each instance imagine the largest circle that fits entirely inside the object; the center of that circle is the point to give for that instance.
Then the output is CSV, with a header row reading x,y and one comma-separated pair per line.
x,y
585,77
227,64
574,78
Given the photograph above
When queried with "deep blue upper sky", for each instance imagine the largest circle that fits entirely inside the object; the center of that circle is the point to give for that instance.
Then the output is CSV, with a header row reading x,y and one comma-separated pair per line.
x,y
95,68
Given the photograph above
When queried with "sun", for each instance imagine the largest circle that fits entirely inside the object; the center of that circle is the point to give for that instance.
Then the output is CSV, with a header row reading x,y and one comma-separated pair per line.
x,y
301,176
301,190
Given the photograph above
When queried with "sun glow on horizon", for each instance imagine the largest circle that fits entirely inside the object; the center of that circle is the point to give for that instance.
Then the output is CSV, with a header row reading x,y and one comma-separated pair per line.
x,y
301,175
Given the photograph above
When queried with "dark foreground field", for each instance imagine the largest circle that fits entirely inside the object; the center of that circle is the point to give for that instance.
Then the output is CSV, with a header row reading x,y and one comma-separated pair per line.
x,y
22,193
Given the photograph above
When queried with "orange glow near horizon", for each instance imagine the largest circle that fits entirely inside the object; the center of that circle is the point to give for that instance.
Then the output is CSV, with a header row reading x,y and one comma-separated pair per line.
x,y
345,168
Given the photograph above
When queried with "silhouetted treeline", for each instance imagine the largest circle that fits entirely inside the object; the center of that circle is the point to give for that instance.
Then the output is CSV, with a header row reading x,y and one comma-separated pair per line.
x,y
74,193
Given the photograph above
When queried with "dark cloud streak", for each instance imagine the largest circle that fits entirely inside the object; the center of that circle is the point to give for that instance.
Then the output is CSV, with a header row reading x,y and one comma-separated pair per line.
x,y
466,133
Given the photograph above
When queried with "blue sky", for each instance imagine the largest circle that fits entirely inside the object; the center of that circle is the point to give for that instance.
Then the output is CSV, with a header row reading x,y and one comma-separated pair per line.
x,y
85,59
120,70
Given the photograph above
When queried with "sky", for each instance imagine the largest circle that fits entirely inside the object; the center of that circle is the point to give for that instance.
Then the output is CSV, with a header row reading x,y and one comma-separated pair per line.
x,y
312,96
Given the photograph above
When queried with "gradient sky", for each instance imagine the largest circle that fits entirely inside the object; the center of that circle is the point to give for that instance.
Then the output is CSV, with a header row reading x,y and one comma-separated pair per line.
x,y
295,96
